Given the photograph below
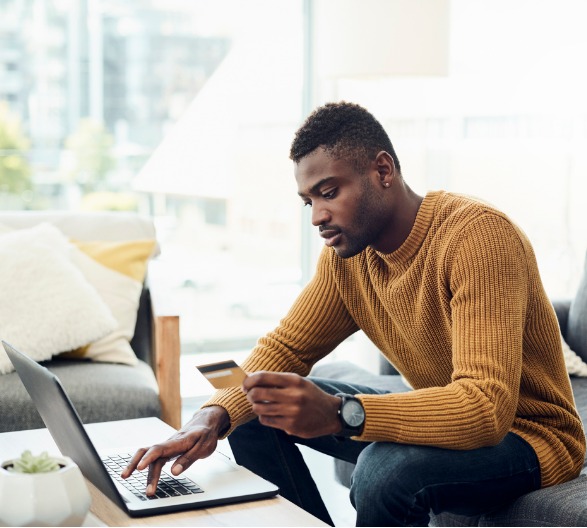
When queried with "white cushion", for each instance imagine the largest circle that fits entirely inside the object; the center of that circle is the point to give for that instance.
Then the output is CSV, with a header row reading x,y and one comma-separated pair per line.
x,y
116,270
46,306
575,365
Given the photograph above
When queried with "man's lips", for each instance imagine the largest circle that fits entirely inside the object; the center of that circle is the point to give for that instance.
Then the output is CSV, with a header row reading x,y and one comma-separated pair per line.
x,y
331,236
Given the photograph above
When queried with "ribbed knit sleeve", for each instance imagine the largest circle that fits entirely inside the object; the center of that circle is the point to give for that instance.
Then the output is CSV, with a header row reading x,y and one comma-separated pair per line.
x,y
317,322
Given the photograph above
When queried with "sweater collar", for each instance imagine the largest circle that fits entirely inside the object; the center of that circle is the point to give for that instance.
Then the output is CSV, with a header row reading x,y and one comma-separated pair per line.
x,y
420,229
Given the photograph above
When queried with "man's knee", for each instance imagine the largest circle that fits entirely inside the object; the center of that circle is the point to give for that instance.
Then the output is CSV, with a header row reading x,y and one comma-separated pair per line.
x,y
386,485
385,468
377,459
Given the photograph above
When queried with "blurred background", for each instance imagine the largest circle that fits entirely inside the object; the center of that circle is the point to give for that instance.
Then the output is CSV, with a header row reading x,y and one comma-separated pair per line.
x,y
185,110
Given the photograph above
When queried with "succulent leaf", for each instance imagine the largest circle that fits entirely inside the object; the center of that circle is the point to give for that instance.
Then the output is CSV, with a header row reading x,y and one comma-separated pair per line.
x,y
29,463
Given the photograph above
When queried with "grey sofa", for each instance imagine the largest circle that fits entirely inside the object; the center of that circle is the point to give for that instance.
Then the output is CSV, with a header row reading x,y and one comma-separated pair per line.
x,y
106,391
561,505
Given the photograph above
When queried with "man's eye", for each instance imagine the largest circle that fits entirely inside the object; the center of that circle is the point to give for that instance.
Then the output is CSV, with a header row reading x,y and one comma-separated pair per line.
x,y
329,194
309,204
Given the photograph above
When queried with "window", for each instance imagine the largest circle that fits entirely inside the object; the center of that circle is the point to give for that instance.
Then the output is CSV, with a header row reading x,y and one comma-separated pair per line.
x,y
182,109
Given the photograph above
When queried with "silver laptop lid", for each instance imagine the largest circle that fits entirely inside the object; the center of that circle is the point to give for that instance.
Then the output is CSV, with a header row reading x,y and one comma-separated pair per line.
x,y
63,421
70,435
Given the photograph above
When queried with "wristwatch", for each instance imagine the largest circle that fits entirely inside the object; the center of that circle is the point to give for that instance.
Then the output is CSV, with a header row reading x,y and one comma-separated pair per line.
x,y
351,415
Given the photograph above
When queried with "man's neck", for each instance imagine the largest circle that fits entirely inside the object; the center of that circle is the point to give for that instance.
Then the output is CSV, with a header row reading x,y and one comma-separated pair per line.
x,y
405,213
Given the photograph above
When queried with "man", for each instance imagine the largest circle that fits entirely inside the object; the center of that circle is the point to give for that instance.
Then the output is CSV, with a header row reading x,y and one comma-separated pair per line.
x,y
449,291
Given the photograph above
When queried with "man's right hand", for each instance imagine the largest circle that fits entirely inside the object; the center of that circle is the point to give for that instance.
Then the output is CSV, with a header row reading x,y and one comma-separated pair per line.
x,y
196,439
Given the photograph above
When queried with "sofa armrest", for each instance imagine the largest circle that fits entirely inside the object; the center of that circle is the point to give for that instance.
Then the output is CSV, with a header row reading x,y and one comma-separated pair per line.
x,y
165,363
561,308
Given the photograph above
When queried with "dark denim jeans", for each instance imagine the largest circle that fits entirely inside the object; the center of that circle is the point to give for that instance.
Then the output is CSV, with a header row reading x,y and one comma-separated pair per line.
x,y
393,484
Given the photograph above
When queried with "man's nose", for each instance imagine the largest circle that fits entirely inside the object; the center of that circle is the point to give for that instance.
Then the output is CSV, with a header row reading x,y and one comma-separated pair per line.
x,y
320,216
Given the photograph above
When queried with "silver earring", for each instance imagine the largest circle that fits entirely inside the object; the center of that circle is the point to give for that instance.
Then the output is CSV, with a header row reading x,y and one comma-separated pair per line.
x,y
386,184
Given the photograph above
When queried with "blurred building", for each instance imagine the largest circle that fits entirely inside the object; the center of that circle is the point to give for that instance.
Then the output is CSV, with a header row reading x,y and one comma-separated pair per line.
x,y
133,66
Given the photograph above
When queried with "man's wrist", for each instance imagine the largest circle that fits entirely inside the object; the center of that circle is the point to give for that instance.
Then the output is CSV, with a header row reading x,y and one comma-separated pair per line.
x,y
216,417
337,425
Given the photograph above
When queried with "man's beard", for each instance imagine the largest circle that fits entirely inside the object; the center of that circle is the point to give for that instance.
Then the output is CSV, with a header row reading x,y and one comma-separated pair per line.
x,y
368,218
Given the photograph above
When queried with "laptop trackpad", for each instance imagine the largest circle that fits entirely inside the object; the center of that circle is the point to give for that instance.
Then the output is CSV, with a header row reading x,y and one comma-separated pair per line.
x,y
215,464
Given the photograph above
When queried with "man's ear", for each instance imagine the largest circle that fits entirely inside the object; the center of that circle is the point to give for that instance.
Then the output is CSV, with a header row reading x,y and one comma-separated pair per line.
x,y
385,168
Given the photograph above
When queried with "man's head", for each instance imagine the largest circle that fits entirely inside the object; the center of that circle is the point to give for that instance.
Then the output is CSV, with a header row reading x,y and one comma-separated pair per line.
x,y
345,131
345,166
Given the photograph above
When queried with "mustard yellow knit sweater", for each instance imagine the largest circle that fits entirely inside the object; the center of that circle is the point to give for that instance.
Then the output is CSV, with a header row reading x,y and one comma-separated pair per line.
x,y
461,312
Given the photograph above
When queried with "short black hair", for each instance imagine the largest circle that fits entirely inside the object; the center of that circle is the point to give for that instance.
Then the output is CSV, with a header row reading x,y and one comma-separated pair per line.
x,y
344,130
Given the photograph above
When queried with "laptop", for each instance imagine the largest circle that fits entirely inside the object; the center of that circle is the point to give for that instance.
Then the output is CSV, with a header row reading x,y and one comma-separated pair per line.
x,y
211,481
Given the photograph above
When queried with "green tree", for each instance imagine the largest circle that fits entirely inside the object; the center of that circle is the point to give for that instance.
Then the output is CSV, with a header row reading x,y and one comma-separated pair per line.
x,y
91,153
15,172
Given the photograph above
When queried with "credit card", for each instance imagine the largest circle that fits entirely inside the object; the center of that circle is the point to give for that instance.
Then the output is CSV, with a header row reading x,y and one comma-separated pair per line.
x,y
224,374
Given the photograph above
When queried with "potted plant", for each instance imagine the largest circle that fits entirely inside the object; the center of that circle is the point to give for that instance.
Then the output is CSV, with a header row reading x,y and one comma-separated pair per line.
x,y
42,491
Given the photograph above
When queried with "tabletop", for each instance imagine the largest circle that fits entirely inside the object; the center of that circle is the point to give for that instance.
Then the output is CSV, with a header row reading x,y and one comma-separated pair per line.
x,y
275,511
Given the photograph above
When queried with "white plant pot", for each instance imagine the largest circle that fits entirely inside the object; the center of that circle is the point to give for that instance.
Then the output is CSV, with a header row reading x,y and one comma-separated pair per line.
x,y
57,498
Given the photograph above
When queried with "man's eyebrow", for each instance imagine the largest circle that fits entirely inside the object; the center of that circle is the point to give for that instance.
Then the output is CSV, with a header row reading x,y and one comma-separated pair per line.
x,y
315,188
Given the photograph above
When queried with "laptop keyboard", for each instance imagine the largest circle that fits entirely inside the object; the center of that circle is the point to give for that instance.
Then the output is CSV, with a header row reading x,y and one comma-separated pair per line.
x,y
168,485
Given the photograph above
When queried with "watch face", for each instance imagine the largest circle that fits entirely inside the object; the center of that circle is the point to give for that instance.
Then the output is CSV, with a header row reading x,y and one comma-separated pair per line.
x,y
353,413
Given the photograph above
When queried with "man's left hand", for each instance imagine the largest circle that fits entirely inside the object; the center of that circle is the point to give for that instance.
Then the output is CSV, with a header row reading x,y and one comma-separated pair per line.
x,y
292,403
